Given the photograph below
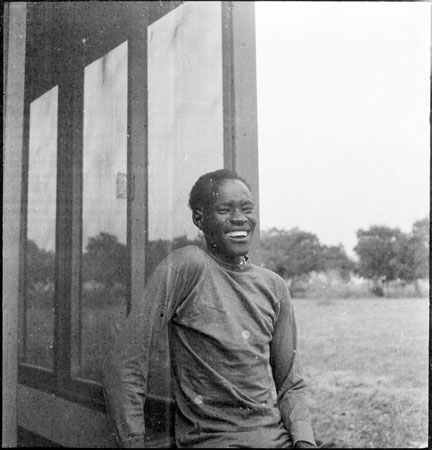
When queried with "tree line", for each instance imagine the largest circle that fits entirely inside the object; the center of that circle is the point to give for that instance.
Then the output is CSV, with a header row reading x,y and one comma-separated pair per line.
x,y
384,254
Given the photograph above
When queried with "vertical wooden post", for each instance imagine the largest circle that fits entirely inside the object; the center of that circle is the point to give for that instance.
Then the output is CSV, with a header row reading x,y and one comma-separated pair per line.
x,y
137,148
240,97
15,37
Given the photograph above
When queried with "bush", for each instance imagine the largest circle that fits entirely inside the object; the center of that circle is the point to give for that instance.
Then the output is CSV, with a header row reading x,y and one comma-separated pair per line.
x,y
377,291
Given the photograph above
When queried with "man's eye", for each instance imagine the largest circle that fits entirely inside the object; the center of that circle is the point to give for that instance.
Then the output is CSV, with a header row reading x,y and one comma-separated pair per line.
x,y
248,209
223,211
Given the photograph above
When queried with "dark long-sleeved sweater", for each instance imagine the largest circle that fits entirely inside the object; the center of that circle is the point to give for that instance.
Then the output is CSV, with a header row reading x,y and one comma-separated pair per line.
x,y
228,324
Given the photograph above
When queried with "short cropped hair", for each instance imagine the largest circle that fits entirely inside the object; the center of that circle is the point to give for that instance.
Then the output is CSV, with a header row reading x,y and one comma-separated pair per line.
x,y
207,186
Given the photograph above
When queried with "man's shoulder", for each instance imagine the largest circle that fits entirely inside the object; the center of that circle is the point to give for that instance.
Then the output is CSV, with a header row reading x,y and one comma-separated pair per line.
x,y
275,283
184,258
270,276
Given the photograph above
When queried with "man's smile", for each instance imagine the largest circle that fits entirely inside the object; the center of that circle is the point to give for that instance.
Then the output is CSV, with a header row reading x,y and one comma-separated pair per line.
x,y
238,236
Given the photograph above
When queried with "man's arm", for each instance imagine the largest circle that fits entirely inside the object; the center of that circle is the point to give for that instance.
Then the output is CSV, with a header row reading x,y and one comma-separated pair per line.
x,y
125,368
290,385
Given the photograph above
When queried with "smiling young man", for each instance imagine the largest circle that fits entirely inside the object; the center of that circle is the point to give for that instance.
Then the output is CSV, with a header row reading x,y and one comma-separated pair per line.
x,y
232,337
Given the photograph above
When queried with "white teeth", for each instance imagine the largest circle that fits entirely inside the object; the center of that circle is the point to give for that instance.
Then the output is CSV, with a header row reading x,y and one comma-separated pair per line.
x,y
237,234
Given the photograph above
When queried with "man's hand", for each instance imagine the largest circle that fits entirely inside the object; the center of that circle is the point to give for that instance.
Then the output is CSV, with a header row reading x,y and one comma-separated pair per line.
x,y
304,444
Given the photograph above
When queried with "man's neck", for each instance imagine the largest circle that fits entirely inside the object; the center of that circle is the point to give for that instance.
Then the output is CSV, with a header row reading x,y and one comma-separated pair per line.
x,y
235,260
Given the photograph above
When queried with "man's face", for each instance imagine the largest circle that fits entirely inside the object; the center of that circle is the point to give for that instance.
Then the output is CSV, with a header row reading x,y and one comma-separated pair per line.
x,y
229,223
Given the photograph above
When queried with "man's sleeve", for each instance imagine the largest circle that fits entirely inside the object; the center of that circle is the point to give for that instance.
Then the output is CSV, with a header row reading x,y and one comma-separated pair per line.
x,y
290,386
125,368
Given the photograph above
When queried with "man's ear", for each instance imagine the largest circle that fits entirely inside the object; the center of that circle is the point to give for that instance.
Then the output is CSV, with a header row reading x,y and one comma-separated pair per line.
x,y
197,217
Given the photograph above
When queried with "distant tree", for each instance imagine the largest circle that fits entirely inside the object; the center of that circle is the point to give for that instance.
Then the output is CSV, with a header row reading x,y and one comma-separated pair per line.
x,y
291,253
334,258
376,249
106,260
404,259
411,260
39,265
420,234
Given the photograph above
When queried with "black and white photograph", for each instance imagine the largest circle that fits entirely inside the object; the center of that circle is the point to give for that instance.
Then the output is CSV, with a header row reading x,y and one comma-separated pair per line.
x,y
216,224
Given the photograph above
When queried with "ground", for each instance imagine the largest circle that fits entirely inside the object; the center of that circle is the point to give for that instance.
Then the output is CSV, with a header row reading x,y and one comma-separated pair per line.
x,y
366,364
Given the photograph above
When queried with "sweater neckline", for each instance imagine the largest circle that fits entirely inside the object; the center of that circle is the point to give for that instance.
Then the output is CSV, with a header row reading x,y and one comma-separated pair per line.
x,y
239,267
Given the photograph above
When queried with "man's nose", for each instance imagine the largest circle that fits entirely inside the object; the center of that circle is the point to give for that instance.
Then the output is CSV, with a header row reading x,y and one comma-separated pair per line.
x,y
238,218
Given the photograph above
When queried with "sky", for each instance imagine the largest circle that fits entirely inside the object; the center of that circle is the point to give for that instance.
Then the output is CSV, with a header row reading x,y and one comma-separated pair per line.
x,y
343,116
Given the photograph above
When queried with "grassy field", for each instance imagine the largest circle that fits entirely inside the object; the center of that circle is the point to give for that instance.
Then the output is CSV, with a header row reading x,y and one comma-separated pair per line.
x,y
366,364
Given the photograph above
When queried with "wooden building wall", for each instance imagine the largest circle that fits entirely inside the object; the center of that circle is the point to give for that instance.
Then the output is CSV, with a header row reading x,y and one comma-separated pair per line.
x,y
61,419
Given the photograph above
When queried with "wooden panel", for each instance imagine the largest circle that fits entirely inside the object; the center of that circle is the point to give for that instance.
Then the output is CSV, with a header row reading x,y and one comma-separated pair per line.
x,y
13,144
70,424
68,92
245,95
27,438
66,423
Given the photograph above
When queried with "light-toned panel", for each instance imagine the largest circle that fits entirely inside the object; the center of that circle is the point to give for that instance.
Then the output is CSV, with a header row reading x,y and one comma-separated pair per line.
x,y
185,137
66,423
42,173
15,37
37,348
105,260
105,145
